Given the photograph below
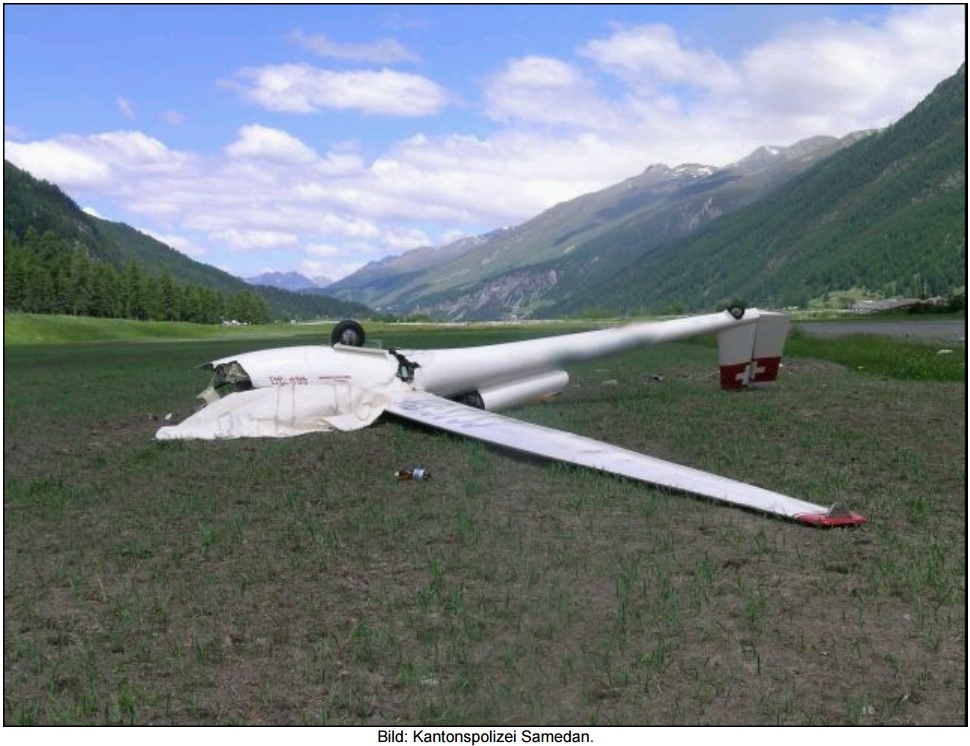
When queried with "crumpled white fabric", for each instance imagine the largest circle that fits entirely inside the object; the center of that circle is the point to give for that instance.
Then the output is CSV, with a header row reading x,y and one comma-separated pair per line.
x,y
281,412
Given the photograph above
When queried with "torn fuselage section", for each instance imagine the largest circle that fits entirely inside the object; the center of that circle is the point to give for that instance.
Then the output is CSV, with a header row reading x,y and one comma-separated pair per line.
x,y
405,367
227,378
303,366
291,391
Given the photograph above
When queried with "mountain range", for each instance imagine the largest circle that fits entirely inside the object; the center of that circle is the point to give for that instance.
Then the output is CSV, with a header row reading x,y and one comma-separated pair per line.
x,y
292,281
880,210
884,210
518,270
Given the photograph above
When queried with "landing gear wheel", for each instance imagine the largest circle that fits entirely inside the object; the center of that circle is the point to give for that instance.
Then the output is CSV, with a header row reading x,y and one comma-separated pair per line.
x,y
348,333
736,310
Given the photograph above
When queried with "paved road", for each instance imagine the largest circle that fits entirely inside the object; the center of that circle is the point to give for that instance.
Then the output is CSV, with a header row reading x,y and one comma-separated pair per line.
x,y
951,332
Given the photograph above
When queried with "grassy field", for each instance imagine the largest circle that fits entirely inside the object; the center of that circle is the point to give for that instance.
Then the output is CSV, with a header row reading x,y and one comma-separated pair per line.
x,y
296,581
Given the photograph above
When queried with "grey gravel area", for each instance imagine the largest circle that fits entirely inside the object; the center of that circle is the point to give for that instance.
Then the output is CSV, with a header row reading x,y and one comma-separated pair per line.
x,y
952,332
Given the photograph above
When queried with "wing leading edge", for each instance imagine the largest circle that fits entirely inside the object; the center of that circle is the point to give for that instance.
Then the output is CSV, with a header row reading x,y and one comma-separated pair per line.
x,y
558,445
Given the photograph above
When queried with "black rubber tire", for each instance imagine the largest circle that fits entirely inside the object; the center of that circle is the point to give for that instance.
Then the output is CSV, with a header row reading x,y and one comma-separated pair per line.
x,y
736,310
348,332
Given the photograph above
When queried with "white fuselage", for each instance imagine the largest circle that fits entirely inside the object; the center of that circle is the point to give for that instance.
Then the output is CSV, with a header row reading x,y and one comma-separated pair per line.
x,y
450,371
507,373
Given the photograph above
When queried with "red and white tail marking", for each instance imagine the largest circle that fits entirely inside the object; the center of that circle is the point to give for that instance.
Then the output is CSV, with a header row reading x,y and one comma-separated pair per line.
x,y
751,353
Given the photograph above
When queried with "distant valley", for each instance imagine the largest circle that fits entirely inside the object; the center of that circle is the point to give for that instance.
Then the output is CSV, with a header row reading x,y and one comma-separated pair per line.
x,y
882,212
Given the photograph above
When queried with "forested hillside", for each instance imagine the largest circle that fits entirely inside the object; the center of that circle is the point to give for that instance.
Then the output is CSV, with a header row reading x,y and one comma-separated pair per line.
x,y
46,274
58,259
887,214
522,270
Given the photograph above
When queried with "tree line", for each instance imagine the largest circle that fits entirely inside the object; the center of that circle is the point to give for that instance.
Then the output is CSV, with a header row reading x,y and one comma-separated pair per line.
x,y
46,274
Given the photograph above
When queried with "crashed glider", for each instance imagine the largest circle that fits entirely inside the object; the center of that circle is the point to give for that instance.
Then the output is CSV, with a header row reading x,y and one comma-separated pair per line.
x,y
346,386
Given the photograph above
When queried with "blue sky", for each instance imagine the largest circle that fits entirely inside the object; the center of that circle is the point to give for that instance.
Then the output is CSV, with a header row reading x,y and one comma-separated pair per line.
x,y
319,138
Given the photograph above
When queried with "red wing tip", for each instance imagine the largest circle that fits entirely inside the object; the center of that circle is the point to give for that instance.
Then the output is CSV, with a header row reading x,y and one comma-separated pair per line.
x,y
833,518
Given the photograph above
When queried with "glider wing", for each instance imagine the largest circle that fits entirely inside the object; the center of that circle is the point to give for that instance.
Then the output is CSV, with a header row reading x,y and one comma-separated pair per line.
x,y
538,440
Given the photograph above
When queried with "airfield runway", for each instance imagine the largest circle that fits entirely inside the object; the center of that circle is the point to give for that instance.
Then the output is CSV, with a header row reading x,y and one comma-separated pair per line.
x,y
948,331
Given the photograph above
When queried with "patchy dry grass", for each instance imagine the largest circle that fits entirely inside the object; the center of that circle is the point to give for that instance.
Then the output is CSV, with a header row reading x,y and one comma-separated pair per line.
x,y
295,581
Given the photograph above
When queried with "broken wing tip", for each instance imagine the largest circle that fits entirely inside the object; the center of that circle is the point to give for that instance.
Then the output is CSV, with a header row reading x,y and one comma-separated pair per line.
x,y
833,517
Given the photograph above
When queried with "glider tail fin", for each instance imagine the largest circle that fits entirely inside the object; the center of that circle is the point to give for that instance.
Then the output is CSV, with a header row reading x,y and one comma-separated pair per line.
x,y
751,353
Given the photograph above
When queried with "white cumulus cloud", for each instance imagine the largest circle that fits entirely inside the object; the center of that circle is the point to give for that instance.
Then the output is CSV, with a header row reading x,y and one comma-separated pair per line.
x,y
382,51
652,55
256,141
303,89
252,240
544,90
59,163
179,243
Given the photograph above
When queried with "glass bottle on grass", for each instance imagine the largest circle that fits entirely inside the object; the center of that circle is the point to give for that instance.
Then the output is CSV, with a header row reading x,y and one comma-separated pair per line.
x,y
417,474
